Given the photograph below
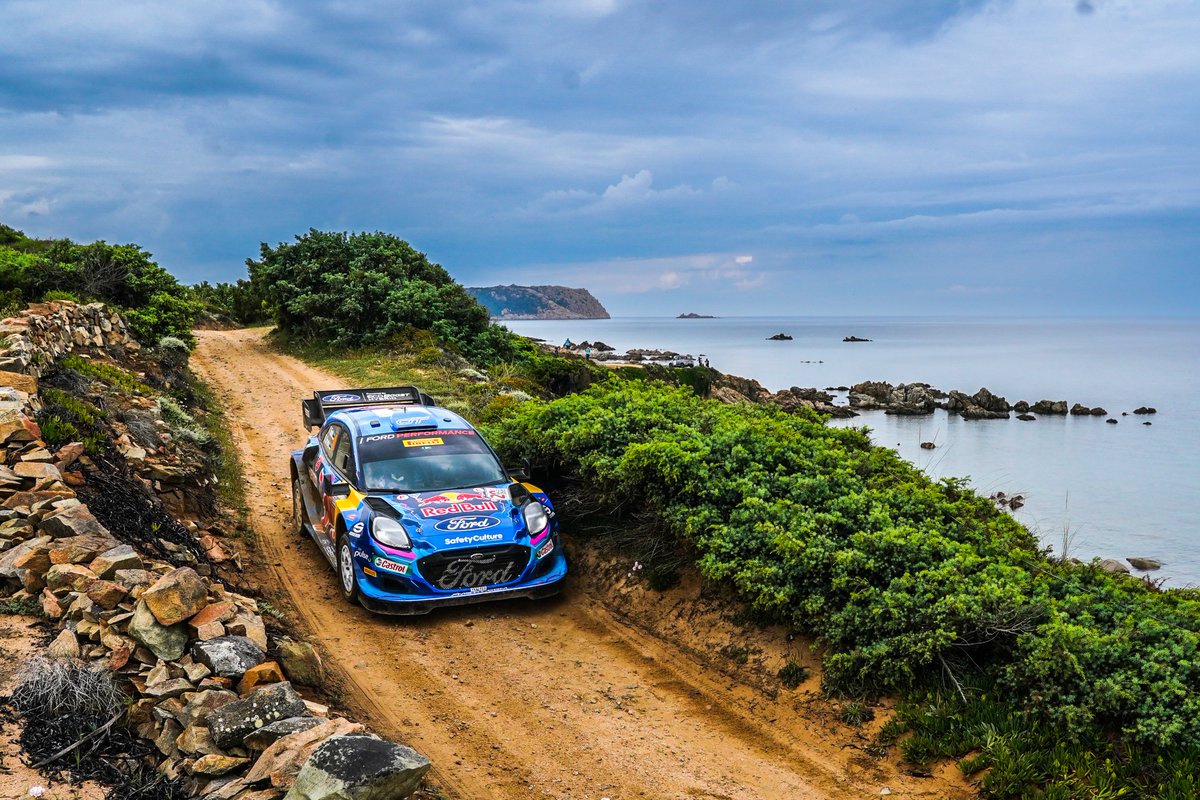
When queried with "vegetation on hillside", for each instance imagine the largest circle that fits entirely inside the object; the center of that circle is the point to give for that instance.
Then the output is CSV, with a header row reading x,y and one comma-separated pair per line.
x,y
123,275
358,289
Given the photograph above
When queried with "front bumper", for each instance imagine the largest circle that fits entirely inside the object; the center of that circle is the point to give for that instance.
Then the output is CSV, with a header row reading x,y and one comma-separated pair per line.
x,y
389,593
398,605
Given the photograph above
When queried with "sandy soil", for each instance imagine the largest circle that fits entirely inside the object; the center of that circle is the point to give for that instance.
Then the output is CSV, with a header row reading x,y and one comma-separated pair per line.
x,y
568,699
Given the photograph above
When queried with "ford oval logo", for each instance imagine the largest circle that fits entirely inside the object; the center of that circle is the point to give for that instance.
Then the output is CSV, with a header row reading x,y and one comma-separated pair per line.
x,y
340,398
460,524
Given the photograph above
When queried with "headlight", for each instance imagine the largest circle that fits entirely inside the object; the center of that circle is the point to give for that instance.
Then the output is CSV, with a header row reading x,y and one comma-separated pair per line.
x,y
390,532
536,517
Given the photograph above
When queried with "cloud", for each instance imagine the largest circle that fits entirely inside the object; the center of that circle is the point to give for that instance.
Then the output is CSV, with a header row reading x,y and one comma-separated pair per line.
x,y
706,271
859,139
629,191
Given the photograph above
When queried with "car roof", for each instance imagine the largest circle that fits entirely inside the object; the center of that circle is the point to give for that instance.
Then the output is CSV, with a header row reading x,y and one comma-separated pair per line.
x,y
387,419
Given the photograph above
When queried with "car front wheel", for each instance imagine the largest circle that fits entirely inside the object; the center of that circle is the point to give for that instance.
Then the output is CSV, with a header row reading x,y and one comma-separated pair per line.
x,y
347,580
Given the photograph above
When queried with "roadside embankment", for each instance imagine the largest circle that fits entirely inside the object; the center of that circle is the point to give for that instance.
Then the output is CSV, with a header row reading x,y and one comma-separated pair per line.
x,y
164,676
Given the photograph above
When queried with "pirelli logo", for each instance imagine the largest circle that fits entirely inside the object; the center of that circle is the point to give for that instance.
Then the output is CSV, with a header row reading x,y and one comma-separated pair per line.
x,y
428,441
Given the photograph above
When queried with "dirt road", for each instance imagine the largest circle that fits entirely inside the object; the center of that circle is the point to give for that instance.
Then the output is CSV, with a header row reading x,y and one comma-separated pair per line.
x,y
513,700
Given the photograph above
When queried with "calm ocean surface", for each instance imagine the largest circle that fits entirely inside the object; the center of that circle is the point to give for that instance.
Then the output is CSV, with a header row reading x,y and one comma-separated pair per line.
x,y
1120,490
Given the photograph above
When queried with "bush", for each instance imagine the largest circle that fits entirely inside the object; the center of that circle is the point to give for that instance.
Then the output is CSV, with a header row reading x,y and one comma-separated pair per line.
x,y
164,314
122,275
181,423
358,289
792,674
909,582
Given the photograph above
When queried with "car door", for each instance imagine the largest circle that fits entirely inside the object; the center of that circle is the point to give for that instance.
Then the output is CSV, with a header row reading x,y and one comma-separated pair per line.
x,y
334,464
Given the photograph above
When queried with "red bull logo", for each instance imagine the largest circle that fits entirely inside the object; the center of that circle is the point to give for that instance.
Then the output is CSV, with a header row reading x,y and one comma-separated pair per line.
x,y
459,508
452,497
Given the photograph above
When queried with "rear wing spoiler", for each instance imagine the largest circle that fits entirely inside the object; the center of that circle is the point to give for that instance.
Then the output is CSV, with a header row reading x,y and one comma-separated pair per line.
x,y
322,402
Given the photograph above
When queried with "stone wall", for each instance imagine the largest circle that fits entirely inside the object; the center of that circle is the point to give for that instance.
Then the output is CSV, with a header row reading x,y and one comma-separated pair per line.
x,y
44,332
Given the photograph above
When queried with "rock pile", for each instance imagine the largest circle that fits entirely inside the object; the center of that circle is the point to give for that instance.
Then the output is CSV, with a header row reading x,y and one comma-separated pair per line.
x,y
734,390
44,332
210,689
907,399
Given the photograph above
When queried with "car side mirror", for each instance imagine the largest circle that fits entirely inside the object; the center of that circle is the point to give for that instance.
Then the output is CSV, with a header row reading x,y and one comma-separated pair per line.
x,y
519,494
334,488
519,475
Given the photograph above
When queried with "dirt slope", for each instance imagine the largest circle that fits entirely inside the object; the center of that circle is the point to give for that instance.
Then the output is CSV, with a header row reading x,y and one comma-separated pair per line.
x,y
556,699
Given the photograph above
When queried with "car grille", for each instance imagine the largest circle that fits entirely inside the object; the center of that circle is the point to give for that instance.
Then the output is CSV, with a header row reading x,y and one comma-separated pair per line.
x,y
474,567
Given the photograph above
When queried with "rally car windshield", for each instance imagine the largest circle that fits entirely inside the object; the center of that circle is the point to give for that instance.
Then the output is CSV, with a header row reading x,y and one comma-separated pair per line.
x,y
427,461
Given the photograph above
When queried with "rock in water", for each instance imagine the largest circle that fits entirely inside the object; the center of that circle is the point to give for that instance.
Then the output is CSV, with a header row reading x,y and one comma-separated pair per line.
x,y
1145,564
359,768
1114,566
1049,407
927,445
228,656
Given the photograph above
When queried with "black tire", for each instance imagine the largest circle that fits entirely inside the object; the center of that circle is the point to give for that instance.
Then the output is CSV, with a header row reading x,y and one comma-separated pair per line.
x,y
347,580
299,524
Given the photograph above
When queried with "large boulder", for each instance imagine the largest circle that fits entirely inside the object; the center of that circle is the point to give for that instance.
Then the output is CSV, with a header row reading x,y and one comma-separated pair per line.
x,y
870,394
176,596
72,521
301,663
122,556
8,562
228,656
232,722
1144,564
911,399
81,549
268,735
359,768
974,411
282,760
165,641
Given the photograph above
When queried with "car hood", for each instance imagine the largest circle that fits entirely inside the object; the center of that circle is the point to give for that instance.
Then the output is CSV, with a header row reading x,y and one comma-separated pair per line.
x,y
460,517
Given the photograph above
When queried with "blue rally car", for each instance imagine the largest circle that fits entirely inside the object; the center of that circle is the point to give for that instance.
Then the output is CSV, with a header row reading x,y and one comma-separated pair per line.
x,y
413,508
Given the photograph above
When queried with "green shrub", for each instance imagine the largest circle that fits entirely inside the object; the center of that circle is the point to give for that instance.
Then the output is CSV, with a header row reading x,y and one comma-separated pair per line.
x,y
181,423
58,294
909,582
358,289
792,674
855,714
106,373
164,314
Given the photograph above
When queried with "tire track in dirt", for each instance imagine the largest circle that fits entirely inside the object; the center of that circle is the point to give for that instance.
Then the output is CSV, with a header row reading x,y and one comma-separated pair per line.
x,y
520,699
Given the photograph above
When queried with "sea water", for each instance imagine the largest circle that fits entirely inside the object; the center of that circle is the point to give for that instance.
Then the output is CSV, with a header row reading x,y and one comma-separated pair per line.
x,y
1111,491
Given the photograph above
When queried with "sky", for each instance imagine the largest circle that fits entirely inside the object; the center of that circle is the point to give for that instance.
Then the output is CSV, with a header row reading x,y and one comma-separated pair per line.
x,y
821,157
